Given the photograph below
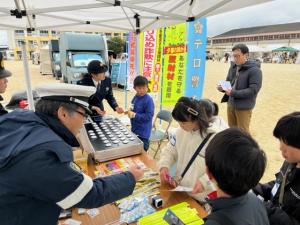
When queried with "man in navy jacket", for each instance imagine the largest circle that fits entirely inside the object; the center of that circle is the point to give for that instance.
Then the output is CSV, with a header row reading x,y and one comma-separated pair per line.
x,y
96,77
37,175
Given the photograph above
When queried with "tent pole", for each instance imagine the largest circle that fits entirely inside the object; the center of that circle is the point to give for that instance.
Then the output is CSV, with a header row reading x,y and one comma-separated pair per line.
x,y
162,68
126,61
27,77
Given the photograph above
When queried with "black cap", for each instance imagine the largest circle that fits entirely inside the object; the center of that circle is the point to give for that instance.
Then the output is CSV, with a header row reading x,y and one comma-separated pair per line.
x,y
95,66
4,73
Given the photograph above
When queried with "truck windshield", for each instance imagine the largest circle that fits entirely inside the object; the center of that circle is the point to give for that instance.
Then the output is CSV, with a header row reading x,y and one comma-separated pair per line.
x,y
82,59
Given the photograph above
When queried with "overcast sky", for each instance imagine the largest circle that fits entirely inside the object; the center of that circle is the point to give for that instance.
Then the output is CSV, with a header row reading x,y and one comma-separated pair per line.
x,y
275,12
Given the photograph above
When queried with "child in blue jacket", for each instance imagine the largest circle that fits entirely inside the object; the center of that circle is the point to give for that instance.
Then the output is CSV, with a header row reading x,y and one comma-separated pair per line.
x,y
142,110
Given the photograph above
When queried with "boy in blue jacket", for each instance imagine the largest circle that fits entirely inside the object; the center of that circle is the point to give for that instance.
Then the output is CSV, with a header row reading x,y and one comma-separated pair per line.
x,y
142,110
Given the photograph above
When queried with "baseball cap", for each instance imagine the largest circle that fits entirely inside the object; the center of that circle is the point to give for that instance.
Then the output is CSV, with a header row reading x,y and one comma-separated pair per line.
x,y
70,93
95,66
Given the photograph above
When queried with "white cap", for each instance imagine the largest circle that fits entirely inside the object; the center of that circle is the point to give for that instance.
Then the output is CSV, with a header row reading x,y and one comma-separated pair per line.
x,y
77,94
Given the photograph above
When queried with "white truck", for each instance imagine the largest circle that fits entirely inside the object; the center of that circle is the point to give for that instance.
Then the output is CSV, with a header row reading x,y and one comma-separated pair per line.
x,y
77,50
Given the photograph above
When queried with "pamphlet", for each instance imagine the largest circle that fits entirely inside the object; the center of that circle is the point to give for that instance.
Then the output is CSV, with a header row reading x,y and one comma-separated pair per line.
x,y
225,84
182,189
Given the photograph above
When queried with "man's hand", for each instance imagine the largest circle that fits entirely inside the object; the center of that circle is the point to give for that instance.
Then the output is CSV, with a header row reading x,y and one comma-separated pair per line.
x,y
228,91
131,114
119,110
219,88
98,110
136,171
166,178
198,188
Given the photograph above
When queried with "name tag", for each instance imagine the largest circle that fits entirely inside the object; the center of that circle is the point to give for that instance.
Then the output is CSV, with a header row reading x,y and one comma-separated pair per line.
x,y
275,189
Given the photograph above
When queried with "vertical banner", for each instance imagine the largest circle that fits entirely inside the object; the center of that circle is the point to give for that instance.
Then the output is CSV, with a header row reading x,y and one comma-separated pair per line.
x,y
140,43
196,58
157,67
132,60
149,53
174,68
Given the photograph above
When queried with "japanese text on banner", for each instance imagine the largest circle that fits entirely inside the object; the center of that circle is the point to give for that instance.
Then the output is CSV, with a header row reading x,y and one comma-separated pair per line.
x,y
196,58
155,80
149,53
174,64
132,60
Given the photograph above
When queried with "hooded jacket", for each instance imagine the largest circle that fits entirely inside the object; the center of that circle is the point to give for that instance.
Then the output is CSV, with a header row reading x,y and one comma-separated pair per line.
x,y
248,83
38,177
180,150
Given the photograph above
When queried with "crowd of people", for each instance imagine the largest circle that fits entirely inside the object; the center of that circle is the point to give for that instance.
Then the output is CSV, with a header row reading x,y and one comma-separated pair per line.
x,y
275,57
221,162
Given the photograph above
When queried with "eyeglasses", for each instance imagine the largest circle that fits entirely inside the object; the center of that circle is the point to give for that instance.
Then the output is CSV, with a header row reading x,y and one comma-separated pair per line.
x,y
85,115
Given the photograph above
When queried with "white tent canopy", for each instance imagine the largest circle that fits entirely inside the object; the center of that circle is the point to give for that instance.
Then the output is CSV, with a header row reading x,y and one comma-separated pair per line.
x,y
110,15
106,15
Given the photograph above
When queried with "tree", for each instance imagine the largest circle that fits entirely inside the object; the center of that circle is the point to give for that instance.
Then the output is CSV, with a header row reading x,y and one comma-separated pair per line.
x,y
116,44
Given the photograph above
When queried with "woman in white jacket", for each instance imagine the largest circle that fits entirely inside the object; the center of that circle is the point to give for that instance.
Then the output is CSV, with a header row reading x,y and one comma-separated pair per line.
x,y
194,128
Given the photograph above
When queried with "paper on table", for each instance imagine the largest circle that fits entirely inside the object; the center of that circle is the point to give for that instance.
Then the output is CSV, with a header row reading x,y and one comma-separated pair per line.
x,y
225,84
181,188
71,222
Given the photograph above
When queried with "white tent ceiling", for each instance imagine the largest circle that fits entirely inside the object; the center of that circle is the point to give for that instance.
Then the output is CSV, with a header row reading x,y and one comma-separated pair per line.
x,y
102,15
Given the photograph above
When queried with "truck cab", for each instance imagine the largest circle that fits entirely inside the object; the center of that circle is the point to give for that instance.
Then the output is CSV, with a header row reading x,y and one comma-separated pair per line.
x,y
77,50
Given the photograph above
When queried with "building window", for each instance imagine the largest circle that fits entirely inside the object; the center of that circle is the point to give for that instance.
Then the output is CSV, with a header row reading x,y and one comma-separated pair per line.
x,y
53,32
43,32
108,35
19,43
19,32
44,43
32,44
31,33
287,36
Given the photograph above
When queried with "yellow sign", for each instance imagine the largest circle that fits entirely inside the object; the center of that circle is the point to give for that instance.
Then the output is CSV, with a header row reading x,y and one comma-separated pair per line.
x,y
174,68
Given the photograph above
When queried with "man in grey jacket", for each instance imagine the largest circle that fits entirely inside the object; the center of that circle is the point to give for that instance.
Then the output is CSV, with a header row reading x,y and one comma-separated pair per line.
x,y
245,77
